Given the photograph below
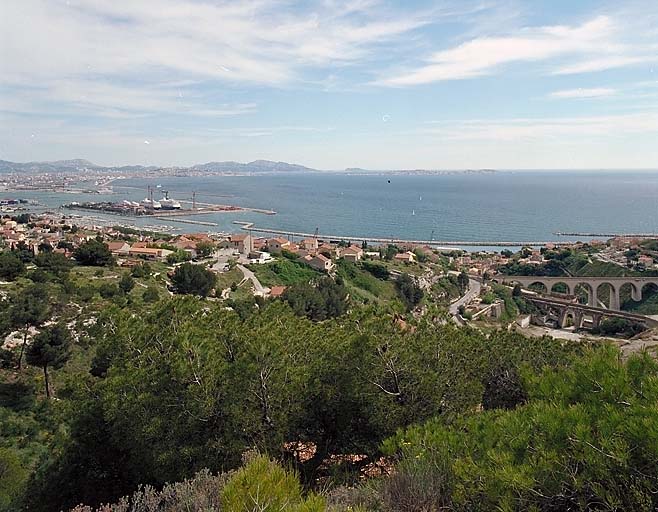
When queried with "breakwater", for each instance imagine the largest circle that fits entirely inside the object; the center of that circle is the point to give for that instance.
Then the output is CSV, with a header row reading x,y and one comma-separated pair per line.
x,y
248,226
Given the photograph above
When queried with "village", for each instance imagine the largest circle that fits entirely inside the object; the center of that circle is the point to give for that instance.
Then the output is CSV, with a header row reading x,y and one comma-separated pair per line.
x,y
237,259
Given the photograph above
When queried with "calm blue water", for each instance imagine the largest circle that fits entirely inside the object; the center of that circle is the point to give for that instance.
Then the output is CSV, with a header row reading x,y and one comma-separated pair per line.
x,y
526,206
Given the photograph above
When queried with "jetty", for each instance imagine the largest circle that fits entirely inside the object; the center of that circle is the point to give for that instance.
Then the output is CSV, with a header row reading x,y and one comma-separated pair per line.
x,y
608,235
186,221
249,226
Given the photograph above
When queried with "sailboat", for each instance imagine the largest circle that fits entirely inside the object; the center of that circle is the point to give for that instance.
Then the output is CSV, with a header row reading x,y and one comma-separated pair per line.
x,y
413,212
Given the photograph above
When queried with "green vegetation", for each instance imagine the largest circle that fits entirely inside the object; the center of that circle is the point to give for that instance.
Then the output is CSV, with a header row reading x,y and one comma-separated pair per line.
x,y
410,293
178,256
50,347
185,384
11,266
283,272
363,283
193,279
319,300
587,439
93,253
228,279
618,327
264,485
151,389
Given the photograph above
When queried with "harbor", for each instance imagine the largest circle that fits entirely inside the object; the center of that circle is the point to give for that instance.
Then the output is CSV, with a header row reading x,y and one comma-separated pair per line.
x,y
164,208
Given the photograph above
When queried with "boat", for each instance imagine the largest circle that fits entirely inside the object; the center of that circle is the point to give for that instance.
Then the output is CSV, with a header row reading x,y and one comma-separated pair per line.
x,y
169,204
151,204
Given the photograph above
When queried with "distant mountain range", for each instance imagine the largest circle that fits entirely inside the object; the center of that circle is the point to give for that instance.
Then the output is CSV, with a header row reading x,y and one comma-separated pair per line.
x,y
255,167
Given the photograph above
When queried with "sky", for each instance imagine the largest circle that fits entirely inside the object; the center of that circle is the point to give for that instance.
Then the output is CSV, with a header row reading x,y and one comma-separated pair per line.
x,y
331,84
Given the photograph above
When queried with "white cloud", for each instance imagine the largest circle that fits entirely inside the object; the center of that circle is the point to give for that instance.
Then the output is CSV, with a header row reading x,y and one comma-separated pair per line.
x,y
262,41
572,128
595,42
603,63
597,92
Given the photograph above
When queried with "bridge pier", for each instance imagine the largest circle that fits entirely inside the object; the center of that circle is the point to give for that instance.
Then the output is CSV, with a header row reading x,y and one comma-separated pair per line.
x,y
575,314
614,298
596,320
636,293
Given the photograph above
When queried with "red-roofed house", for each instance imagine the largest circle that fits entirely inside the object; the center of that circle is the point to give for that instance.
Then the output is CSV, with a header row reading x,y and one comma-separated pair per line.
x,y
352,253
319,262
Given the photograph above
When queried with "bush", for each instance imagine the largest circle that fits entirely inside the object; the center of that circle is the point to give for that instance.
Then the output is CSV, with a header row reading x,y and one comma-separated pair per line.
x,y
376,269
318,301
264,485
178,256
410,293
108,290
141,271
53,262
151,294
198,494
126,283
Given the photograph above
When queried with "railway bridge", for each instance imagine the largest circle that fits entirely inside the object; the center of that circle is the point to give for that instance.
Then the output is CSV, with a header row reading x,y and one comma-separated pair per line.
x,y
564,312
591,284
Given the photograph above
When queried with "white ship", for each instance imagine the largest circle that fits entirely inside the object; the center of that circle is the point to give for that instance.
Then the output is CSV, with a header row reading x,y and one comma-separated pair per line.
x,y
151,204
169,204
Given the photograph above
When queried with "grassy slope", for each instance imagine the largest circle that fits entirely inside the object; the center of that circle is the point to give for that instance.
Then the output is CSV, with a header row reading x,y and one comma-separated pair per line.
x,y
283,272
362,285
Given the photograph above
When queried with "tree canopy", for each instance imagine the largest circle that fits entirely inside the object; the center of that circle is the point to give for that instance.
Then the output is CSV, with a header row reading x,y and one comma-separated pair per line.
x,y
11,266
193,279
94,253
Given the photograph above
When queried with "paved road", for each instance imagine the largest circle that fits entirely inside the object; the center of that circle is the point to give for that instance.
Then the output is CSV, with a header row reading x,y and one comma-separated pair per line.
x,y
472,292
258,287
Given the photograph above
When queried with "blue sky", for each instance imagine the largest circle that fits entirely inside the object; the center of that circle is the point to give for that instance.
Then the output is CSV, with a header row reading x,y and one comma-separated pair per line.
x,y
333,83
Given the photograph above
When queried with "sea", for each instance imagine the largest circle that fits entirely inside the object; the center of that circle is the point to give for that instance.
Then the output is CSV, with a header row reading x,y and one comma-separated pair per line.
x,y
528,206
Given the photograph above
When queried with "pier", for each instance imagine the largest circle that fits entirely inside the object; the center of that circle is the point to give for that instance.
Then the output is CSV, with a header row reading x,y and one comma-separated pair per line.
x,y
186,221
248,226
609,235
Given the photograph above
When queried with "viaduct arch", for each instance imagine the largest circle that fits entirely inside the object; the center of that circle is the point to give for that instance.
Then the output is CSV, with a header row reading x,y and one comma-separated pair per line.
x,y
591,284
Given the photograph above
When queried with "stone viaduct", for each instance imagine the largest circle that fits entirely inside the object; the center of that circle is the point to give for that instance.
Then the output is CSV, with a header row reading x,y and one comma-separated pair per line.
x,y
591,284
562,312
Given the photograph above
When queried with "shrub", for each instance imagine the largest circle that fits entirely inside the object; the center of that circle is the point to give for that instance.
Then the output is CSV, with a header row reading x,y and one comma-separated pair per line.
x,y
108,290
264,485
151,294
376,269
198,494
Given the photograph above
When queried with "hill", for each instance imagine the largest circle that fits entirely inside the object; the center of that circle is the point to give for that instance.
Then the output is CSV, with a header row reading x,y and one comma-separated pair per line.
x,y
257,166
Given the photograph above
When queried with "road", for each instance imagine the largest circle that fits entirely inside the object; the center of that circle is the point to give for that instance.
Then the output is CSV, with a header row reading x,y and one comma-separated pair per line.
x,y
259,289
472,292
